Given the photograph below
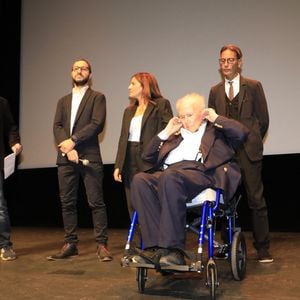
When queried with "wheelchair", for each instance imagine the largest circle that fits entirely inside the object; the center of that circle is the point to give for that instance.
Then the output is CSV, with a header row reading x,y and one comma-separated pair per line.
x,y
211,204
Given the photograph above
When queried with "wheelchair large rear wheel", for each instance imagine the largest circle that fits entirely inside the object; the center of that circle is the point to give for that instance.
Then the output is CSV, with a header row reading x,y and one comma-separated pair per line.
x,y
211,277
141,277
238,256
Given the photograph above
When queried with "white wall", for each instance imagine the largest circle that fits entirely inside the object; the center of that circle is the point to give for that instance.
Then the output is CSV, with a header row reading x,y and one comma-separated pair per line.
x,y
177,40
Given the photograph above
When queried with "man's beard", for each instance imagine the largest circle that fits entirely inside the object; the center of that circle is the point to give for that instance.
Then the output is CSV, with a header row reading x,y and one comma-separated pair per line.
x,y
81,82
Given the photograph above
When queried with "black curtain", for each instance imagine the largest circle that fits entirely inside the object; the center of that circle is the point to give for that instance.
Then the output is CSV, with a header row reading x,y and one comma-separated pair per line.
x,y
10,24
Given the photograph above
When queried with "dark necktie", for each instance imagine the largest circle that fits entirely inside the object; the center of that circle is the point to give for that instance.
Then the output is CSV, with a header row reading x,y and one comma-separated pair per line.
x,y
231,94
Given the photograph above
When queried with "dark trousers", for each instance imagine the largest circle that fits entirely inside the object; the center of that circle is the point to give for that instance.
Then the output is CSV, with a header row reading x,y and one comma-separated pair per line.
x,y
160,200
133,165
252,181
4,218
92,175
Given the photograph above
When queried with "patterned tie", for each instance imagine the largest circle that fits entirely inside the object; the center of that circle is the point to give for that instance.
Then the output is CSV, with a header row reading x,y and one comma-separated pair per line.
x,y
231,94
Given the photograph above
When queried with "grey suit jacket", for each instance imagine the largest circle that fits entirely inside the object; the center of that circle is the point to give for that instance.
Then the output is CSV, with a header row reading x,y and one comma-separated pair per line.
x,y
253,112
156,117
218,146
89,123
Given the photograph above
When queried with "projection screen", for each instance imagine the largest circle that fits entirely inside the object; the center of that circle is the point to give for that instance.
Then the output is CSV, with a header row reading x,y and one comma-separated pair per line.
x,y
178,41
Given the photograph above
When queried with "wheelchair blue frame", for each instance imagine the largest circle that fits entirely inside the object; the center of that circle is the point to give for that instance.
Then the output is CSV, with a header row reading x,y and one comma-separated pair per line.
x,y
206,231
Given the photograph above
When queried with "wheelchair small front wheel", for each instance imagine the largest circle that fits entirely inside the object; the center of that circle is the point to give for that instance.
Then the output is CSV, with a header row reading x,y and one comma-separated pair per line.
x,y
141,277
238,256
211,278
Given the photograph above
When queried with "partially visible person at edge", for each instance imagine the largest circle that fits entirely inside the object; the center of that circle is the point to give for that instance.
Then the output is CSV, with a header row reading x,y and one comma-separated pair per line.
x,y
79,119
243,99
147,114
8,134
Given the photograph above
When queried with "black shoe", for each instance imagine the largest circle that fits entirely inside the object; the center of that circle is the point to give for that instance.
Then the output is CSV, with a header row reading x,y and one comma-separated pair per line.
x,y
263,256
173,257
68,250
222,253
147,256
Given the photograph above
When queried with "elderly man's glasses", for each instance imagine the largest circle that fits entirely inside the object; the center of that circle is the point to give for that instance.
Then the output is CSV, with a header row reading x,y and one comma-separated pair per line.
x,y
230,61
187,116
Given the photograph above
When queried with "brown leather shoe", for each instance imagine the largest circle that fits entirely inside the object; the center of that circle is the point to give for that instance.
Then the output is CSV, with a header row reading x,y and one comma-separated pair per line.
x,y
68,250
103,254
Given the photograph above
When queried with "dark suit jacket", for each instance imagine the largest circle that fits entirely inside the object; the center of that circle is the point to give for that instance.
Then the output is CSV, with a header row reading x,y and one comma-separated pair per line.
x,y
89,123
155,119
8,130
218,146
253,112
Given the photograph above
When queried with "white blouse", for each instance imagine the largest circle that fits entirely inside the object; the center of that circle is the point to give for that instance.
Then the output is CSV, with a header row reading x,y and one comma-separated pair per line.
x,y
135,129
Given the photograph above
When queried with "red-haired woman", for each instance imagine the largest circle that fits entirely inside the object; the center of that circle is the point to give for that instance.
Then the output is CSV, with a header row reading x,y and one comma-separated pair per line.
x,y
147,114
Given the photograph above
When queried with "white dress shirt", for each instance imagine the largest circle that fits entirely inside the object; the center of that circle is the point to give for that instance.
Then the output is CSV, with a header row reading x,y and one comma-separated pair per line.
x,y
189,148
77,96
235,84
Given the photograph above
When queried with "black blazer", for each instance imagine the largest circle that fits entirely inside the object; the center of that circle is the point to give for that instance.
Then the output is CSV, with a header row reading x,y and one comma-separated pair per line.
x,y
8,130
89,123
156,117
253,112
218,146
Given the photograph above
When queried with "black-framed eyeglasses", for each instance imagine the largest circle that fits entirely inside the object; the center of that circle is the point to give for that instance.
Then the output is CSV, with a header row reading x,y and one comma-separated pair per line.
x,y
84,69
230,61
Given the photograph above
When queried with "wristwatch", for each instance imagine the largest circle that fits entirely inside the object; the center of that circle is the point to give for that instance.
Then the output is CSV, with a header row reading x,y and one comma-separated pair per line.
x,y
74,139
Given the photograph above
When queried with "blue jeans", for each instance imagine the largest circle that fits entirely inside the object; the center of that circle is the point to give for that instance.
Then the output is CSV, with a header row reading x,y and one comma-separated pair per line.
x,y
4,218
92,175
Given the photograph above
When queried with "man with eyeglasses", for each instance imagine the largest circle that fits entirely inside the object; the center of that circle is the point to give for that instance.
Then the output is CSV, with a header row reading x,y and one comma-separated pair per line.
x,y
79,119
243,99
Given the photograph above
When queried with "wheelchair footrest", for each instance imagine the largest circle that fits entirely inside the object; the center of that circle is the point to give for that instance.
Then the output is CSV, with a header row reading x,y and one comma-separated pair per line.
x,y
127,262
194,267
182,268
141,265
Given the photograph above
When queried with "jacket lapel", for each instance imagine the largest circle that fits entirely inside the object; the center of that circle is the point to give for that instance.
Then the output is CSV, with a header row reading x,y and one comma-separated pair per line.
x,y
147,113
207,141
168,147
82,104
222,96
68,111
129,116
242,94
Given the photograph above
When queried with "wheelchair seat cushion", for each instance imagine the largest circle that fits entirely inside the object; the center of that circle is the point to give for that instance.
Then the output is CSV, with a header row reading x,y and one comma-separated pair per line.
x,y
208,194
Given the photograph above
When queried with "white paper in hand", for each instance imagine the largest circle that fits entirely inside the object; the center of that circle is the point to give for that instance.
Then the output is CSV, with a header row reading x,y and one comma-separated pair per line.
x,y
9,164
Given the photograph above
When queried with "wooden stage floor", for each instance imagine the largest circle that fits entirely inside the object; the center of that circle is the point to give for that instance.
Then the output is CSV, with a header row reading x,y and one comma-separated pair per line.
x,y
31,276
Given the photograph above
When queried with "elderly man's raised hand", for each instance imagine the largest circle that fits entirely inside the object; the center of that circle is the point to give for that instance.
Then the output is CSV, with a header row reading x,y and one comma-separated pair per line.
x,y
173,126
210,114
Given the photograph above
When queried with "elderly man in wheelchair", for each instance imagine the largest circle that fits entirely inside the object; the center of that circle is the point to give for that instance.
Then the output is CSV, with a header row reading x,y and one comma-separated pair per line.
x,y
194,152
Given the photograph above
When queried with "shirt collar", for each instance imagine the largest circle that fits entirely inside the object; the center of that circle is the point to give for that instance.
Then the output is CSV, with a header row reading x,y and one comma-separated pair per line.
x,y
81,91
236,79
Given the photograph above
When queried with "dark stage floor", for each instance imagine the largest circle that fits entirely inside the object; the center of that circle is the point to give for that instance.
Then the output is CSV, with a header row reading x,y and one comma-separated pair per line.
x,y
31,276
